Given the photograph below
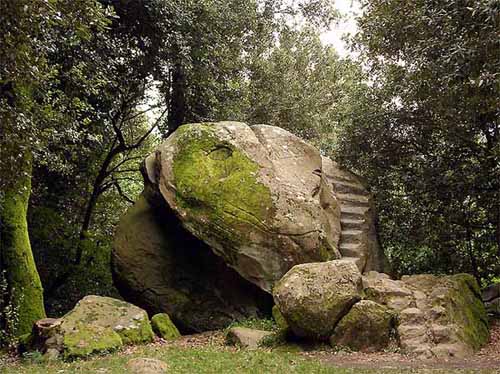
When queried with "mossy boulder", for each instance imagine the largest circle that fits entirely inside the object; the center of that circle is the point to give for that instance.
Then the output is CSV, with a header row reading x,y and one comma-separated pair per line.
x,y
164,327
368,327
439,316
453,312
314,297
256,195
97,324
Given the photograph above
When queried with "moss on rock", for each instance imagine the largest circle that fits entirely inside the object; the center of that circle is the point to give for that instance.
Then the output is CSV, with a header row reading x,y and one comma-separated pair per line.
x,y
279,319
218,182
164,327
15,250
85,340
466,309
96,325
367,327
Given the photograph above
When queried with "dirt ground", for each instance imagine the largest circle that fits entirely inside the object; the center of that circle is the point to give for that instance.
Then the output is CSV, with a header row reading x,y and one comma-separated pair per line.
x,y
486,358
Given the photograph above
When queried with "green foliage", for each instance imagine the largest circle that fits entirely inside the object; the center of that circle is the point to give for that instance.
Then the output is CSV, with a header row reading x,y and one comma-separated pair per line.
x,y
265,324
426,135
9,314
301,85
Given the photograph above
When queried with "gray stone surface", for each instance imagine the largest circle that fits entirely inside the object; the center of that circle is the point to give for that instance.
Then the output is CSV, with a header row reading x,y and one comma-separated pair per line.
x,y
314,297
245,337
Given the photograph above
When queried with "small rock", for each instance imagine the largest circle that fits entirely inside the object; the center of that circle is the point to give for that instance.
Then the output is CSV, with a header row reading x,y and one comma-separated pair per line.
x,y
245,337
146,366
164,327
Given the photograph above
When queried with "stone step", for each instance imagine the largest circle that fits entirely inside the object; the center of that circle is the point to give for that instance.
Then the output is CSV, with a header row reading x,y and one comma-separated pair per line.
x,y
341,175
354,203
351,249
354,212
346,187
351,236
355,198
352,223
353,209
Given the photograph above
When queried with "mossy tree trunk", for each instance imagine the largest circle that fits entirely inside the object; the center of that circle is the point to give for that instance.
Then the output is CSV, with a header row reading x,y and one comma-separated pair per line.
x,y
16,258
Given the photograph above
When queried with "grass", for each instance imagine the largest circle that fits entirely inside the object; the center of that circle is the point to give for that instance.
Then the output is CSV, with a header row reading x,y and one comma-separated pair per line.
x,y
203,360
266,324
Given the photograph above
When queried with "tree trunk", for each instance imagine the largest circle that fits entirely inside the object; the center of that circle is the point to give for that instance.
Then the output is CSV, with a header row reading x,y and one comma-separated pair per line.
x,y
16,257
177,104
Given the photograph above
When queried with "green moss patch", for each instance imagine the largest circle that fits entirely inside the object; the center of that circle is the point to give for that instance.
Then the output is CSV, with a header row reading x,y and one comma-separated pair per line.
x,y
218,185
164,327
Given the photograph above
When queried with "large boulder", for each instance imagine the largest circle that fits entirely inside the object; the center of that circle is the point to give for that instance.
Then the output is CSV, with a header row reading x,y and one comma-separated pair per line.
x,y
97,324
256,195
227,209
161,267
314,297
439,316
368,327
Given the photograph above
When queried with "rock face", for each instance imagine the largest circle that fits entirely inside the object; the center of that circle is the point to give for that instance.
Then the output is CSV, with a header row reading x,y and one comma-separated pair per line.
x,y
255,195
438,316
357,218
246,338
491,299
314,297
161,267
96,324
367,327
227,210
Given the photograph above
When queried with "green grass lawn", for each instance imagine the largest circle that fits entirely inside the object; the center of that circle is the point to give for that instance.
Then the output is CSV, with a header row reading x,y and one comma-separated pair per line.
x,y
203,360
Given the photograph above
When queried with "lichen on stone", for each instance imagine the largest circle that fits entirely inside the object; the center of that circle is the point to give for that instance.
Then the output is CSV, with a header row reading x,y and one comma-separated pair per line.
x,y
164,327
217,182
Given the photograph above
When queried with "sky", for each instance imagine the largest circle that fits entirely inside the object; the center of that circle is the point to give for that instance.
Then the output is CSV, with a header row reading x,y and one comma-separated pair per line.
x,y
349,9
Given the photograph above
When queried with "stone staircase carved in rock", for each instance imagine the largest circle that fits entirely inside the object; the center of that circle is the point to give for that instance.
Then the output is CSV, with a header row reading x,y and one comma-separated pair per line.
x,y
358,239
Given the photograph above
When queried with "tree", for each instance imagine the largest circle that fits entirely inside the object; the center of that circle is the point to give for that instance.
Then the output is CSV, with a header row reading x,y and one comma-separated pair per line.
x,y
426,134
301,85
27,34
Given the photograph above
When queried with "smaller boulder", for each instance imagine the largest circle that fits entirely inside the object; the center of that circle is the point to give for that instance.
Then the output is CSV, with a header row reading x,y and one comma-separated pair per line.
x,y
164,327
313,297
246,338
368,327
146,366
96,324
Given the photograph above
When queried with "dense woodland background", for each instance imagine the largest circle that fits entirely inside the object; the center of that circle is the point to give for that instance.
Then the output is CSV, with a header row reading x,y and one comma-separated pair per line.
x,y
88,88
